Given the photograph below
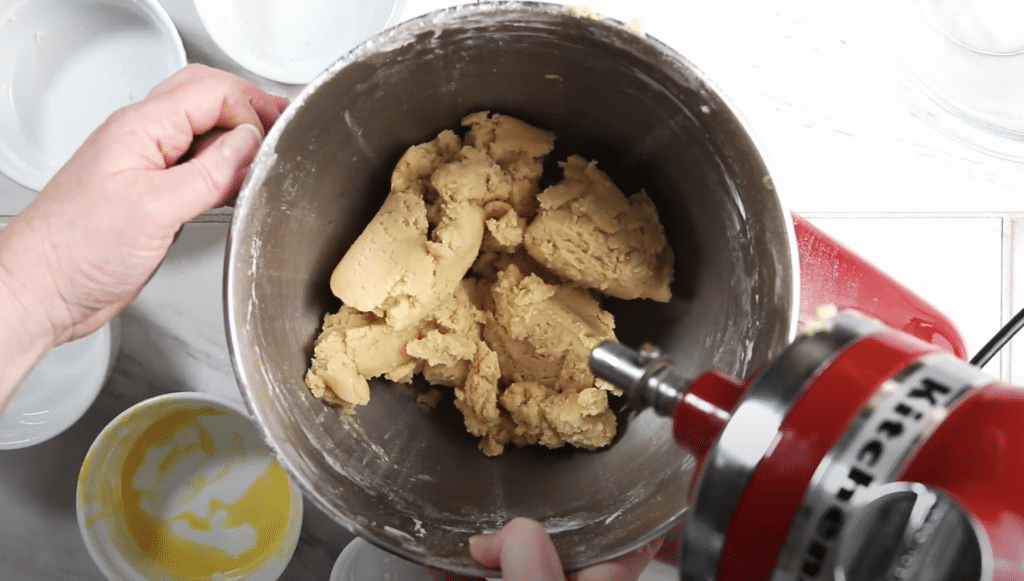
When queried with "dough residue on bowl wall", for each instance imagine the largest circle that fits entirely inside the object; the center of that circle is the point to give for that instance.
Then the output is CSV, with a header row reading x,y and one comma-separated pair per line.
x,y
473,277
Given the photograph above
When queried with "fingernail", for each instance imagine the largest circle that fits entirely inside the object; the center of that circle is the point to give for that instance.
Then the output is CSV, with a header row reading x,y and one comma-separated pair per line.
x,y
241,141
478,542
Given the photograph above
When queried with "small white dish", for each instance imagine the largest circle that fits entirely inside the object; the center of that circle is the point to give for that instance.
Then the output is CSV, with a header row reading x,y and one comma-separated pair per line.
x,y
182,487
58,391
658,571
293,41
361,561
66,65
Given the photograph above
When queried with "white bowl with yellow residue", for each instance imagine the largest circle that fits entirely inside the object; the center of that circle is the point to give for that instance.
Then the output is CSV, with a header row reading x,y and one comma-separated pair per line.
x,y
182,487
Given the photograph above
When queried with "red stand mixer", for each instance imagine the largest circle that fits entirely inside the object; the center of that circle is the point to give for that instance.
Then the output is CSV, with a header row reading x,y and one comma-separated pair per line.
x,y
868,449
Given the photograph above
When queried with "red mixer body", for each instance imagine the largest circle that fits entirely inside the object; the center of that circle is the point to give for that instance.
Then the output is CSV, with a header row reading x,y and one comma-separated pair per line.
x,y
831,274
866,430
975,454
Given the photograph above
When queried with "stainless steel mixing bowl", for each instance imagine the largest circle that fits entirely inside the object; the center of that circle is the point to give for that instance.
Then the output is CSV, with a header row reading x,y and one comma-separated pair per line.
x,y
413,481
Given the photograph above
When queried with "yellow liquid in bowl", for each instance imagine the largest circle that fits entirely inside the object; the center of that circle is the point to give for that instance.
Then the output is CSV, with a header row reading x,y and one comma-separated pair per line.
x,y
200,502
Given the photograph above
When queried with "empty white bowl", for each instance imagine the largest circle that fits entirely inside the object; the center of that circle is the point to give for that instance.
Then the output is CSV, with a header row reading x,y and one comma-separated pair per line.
x,y
293,41
65,66
361,561
181,487
58,391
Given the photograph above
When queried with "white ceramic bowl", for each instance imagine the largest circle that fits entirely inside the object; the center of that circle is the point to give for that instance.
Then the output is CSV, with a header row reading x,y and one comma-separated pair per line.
x,y
293,41
65,66
59,389
181,486
361,561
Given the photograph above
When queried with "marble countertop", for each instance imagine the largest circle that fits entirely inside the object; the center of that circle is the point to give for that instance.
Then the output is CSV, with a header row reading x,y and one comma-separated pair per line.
x,y
818,90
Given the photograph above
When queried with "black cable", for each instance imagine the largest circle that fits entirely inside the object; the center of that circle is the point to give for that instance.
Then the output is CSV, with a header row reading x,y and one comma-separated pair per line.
x,y
996,343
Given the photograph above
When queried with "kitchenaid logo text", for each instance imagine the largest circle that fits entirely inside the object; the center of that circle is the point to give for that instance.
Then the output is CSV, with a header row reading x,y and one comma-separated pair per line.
x,y
875,457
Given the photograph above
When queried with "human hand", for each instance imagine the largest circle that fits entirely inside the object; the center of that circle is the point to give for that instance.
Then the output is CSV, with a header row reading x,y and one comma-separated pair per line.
x,y
98,230
523,551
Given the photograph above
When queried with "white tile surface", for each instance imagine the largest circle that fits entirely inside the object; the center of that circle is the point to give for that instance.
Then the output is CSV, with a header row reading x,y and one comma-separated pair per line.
x,y
414,8
1014,350
956,264
819,90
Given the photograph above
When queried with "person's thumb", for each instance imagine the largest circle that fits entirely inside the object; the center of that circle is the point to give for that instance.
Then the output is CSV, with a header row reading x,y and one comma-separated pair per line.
x,y
213,176
522,550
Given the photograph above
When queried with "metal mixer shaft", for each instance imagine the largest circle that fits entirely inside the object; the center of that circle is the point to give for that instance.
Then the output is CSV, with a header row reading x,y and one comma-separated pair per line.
x,y
648,379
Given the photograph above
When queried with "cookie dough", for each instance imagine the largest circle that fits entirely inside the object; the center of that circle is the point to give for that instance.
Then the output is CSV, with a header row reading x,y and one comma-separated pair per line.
x,y
472,277
589,232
